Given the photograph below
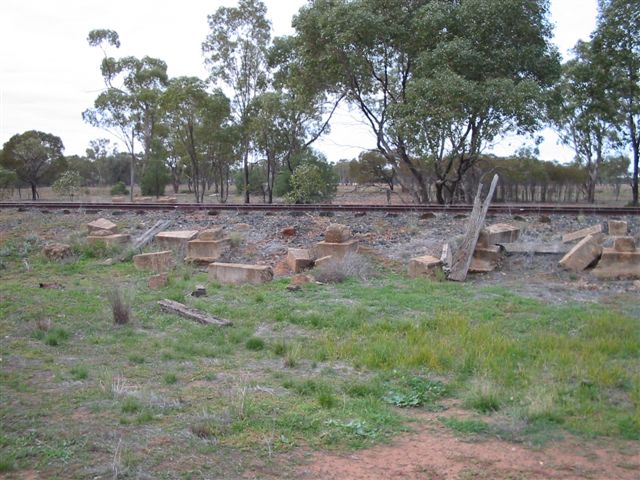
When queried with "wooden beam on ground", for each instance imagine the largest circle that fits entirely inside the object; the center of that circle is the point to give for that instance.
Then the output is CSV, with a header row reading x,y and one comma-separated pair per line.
x,y
199,316
461,258
149,235
535,248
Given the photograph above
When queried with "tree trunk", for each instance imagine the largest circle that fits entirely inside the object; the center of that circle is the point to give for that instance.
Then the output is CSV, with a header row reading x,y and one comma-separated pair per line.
x,y
245,162
34,191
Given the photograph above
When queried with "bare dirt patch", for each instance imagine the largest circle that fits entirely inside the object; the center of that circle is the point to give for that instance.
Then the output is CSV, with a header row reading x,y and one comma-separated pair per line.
x,y
433,452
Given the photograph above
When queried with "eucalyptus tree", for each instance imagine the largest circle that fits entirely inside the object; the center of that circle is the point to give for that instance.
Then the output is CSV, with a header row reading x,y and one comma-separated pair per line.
x,y
34,156
435,80
196,121
236,54
585,113
617,37
129,106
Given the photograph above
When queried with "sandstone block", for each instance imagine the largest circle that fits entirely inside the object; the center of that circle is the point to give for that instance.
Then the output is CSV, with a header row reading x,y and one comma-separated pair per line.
x,y
586,252
235,274
336,250
175,239
167,200
156,261
624,244
242,227
618,228
301,279
424,266
614,264
102,224
143,199
111,240
482,266
585,232
498,233
323,261
299,259
206,250
57,251
490,253
336,233
118,200
214,233
158,281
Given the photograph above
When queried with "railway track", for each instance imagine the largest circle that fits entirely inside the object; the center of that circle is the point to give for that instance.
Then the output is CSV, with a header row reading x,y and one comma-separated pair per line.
x,y
512,209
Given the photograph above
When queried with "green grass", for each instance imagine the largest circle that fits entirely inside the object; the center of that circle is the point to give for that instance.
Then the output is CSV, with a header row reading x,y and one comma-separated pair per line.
x,y
330,368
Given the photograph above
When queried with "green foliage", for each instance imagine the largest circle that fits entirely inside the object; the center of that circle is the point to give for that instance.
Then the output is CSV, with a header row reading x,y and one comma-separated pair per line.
x,y
448,69
34,157
254,343
119,189
170,378
416,392
311,183
68,184
79,372
8,180
466,426
256,180
155,179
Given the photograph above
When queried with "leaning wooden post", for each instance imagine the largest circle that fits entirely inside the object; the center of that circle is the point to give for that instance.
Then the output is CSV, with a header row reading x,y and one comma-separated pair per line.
x,y
461,259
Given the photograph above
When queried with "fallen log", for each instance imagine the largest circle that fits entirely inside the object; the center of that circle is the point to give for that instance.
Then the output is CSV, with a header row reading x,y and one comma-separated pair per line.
x,y
182,310
462,256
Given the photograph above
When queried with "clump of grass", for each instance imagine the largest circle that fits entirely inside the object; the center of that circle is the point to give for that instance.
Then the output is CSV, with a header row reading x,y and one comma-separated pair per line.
x,y
350,266
130,405
292,356
120,307
170,378
466,426
93,250
235,239
483,396
280,348
254,343
54,337
136,359
326,399
79,372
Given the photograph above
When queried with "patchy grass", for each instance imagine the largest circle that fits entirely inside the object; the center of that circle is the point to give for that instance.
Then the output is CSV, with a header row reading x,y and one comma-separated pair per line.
x,y
326,368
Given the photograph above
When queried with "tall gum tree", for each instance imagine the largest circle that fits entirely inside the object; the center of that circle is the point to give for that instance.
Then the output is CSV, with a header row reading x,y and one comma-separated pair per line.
x,y
617,36
196,122
435,80
584,112
128,108
235,53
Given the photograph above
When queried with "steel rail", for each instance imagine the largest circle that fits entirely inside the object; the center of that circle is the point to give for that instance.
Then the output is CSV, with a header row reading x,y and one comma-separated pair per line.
x,y
453,209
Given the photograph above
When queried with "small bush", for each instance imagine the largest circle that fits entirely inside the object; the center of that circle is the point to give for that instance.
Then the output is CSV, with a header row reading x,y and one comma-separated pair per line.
x,y
79,372
130,405
254,343
280,348
327,400
120,308
119,189
136,359
350,266
170,379
55,337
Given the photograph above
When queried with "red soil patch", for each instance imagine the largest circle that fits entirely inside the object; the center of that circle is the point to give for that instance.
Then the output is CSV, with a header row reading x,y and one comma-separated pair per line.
x,y
435,453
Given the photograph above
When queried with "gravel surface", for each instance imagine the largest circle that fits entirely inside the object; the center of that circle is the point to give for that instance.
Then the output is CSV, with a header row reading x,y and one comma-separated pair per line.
x,y
394,237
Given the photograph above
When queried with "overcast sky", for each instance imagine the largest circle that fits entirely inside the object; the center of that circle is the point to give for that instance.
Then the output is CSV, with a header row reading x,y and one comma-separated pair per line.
x,y
49,75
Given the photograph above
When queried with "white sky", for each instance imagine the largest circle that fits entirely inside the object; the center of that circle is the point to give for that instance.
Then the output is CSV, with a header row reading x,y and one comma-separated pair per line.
x,y
49,75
